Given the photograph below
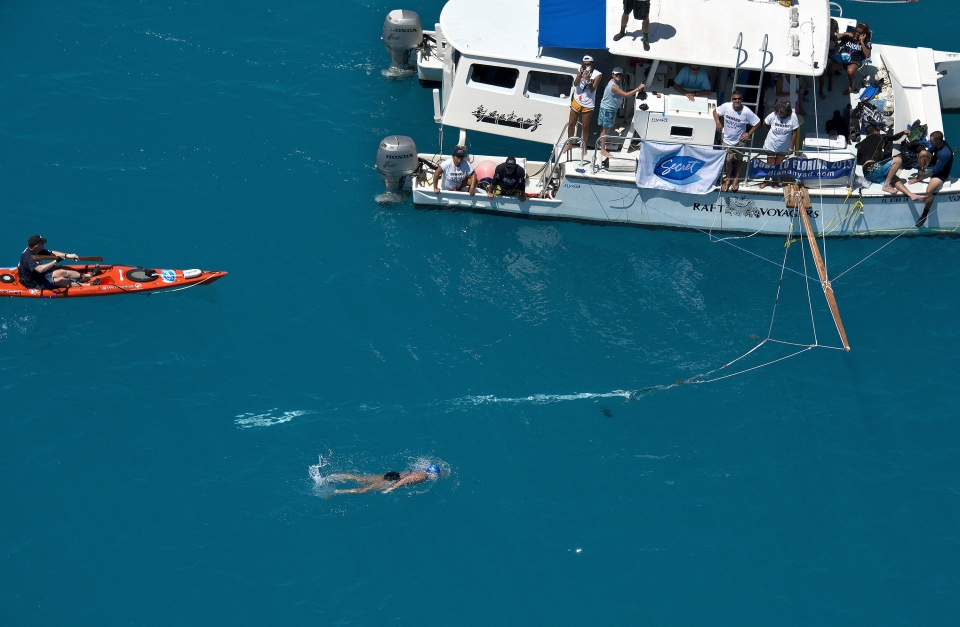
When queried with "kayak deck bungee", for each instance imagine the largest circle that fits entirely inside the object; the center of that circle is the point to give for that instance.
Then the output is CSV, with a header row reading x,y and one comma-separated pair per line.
x,y
114,280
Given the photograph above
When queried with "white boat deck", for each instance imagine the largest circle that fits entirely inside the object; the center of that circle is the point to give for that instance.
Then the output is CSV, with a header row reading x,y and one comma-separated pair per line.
x,y
706,32
685,31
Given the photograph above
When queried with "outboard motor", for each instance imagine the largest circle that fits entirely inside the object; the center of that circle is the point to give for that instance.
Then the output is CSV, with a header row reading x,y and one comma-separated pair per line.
x,y
402,32
396,159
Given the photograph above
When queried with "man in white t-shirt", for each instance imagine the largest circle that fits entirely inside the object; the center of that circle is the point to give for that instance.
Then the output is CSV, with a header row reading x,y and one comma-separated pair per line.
x,y
455,174
737,123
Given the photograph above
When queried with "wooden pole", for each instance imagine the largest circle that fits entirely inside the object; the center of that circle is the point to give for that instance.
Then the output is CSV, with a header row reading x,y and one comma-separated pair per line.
x,y
801,205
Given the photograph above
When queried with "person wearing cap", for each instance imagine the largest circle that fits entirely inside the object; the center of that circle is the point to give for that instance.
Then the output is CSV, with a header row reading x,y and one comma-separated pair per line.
x,y
691,82
641,11
455,174
612,100
387,482
583,101
509,179
34,273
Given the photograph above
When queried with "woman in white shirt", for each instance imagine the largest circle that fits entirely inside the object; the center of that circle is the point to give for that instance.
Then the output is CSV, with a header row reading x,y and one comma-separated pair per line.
x,y
782,125
583,101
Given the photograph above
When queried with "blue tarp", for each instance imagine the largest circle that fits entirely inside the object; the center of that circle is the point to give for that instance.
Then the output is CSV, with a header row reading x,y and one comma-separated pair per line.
x,y
573,24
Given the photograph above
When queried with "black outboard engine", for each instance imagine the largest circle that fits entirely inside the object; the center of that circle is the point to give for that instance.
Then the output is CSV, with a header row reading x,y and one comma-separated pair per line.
x,y
396,159
402,33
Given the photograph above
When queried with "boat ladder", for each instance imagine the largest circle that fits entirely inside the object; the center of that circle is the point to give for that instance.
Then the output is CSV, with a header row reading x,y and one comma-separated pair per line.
x,y
755,88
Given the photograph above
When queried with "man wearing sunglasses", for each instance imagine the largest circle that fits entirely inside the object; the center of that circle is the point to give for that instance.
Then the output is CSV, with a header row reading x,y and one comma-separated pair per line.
x,y
736,123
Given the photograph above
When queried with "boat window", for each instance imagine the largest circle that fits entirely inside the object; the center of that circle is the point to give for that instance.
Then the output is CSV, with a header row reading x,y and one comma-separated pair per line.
x,y
493,75
681,131
549,84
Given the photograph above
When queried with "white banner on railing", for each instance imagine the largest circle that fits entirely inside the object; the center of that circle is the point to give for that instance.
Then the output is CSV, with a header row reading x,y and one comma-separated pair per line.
x,y
678,168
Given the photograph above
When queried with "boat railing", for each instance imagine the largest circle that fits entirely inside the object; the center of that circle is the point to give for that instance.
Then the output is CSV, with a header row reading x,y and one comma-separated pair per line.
x,y
552,167
749,153
836,7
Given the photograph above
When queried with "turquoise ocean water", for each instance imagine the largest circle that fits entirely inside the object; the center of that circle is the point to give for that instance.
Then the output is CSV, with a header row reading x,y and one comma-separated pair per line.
x,y
160,456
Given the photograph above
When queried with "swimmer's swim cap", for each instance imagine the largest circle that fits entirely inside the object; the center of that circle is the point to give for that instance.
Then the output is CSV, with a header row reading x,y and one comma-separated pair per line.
x,y
433,469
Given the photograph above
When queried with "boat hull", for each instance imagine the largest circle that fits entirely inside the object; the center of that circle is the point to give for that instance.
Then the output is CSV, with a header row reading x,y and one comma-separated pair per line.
x,y
838,213
114,280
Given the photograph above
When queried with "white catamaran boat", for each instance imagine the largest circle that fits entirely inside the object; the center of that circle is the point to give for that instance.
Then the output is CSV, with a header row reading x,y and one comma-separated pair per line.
x,y
513,76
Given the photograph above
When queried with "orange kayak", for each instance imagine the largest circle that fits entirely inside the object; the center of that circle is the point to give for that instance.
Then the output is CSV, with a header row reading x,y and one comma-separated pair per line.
x,y
113,280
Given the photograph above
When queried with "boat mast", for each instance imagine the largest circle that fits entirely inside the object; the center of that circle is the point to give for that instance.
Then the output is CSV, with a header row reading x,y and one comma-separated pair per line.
x,y
802,200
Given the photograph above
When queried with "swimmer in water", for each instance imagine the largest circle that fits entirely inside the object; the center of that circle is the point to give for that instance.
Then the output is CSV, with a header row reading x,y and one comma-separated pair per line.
x,y
387,482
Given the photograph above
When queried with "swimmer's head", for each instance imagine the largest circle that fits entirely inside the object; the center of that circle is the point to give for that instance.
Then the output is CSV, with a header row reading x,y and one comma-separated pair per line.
x,y
433,469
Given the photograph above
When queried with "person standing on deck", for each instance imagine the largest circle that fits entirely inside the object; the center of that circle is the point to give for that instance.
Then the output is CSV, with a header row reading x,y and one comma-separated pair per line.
x,y
584,100
781,136
940,165
613,97
736,123
641,11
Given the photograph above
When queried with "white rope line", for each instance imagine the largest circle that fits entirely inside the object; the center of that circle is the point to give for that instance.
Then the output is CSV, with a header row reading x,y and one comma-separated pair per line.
x,y
769,363
932,211
817,345
723,240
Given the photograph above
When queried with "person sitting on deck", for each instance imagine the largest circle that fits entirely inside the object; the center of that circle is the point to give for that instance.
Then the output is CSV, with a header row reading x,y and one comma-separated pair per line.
x,y
387,482
874,154
509,179
855,49
641,11
34,273
941,161
691,82
457,173
733,119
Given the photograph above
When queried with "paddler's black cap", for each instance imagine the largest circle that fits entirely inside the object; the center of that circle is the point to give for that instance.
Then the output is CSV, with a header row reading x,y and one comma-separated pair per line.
x,y
511,162
34,240
460,152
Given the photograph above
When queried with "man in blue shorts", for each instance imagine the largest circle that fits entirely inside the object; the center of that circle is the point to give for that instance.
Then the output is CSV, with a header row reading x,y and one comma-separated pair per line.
x,y
874,154
641,11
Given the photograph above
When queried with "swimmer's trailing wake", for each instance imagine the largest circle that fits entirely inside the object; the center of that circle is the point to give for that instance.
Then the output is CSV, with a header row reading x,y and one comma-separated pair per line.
x,y
724,371
538,399
268,418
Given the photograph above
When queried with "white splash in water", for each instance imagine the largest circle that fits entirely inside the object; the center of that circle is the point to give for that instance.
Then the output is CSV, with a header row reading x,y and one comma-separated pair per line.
x,y
542,399
394,73
267,419
389,198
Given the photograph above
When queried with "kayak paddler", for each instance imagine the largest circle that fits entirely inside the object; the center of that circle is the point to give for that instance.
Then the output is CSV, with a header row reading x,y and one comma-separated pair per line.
x,y
35,273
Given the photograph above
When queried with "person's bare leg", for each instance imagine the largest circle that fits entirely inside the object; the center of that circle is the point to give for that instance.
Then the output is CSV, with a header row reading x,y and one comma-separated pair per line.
x,y
899,186
571,128
888,182
585,129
